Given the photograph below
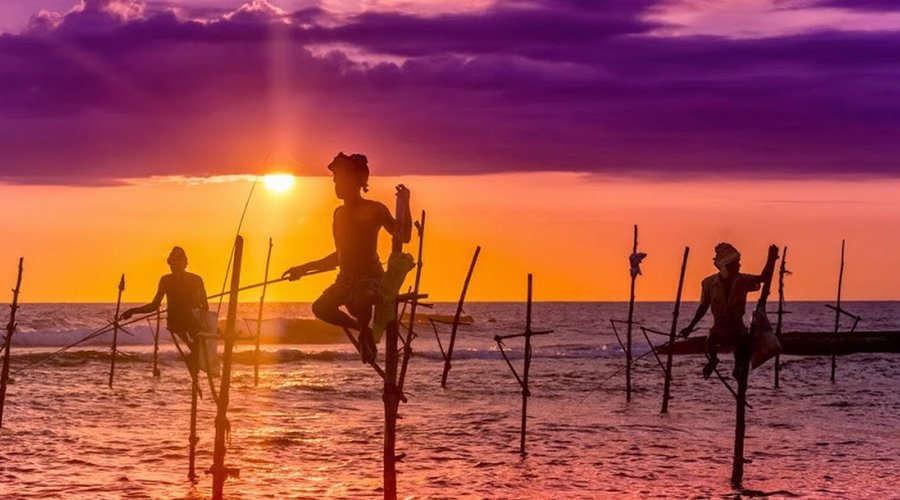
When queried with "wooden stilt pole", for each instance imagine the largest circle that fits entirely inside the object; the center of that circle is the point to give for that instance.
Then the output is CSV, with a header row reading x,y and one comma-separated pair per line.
x,y
459,307
668,382
837,311
112,361
742,351
7,342
262,299
526,369
156,372
391,395
523,380
742,372
391,407
193,363
782,270
218,470
628,359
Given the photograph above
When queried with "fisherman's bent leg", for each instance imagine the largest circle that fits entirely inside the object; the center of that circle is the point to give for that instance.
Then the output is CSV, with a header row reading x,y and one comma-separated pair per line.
x,y
362,308
327,308
712,347
742,357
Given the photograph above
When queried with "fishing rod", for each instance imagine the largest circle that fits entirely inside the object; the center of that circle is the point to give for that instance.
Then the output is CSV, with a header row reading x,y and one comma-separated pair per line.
x,y
238,232
109,326
267,283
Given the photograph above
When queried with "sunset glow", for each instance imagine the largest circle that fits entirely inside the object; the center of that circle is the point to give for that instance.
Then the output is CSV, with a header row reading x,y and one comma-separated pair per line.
x,y
575,241
556,192
278,183
548,179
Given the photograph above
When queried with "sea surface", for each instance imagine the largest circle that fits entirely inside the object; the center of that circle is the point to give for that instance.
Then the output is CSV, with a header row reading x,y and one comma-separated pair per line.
x,y
312,428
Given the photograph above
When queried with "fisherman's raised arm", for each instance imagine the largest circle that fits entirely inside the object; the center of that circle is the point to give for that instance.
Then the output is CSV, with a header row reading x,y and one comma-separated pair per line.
x,y
392,225
769,268
153,305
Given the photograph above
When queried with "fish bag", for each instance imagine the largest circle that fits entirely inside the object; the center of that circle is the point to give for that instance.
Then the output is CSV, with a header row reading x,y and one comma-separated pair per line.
x,y
765,344
399,265
207,343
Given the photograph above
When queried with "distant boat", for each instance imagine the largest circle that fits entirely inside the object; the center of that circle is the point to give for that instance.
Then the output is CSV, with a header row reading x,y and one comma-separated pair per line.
x,y
812,343
314,331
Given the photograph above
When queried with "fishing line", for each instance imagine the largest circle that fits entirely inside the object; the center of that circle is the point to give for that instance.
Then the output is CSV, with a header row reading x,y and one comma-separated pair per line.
x,y
238,232
94,334
620,370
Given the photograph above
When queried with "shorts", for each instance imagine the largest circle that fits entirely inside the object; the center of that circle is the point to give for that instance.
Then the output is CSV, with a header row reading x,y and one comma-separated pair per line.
x,y
354,289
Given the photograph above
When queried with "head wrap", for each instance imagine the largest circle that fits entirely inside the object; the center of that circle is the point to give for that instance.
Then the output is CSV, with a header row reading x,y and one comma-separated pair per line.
x,y
726,254
177,255
355,165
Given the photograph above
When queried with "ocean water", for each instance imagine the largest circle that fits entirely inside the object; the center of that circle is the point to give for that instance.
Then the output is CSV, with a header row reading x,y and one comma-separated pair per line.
x,y
313,426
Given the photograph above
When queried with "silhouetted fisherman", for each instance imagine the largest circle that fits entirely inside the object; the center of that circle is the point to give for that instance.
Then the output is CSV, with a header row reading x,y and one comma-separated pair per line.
x,y
726,294
355,227
185,294
186,317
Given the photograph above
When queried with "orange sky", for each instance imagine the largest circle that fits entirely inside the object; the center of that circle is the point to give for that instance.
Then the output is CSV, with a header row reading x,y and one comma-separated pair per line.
x,y
572,231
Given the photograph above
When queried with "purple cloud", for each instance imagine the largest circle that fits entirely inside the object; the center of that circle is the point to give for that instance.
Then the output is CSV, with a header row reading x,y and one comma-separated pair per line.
x,y
130,90
865,5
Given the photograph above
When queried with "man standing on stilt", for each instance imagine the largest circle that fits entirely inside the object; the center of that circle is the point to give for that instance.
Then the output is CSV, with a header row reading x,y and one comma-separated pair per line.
x,y
355,228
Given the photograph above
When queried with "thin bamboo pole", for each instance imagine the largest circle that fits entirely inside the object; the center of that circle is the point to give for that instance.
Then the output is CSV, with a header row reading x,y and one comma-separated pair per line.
x,y
410,333
782,270
262,299
7,342
156,372
112,360
523,380
193,363
837,311
218,470
668,382
459,307
628,359
374,364
525,370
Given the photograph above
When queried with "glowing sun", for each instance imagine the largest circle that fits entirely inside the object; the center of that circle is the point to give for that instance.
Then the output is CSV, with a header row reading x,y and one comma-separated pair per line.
x,y
278,183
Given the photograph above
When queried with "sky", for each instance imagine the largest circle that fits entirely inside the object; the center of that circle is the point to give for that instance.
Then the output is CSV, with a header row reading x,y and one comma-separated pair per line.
x,y
541,130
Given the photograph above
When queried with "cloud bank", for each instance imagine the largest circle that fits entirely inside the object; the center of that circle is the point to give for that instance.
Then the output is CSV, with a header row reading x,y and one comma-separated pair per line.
x,y
122,88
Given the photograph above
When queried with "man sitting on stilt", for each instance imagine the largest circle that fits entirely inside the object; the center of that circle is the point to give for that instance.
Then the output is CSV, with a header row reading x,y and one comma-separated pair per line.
x,y
186,317
726,293
185,294
355,228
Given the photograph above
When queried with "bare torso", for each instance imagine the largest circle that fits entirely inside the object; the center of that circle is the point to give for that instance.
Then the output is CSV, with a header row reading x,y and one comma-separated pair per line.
x,y
355,229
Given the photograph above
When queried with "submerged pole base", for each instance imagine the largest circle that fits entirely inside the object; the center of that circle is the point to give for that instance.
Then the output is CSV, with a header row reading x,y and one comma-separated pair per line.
x,y
192,474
